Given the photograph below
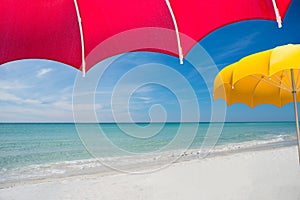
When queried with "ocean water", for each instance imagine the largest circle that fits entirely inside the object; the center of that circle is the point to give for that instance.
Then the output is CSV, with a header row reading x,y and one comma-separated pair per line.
x,y
30,151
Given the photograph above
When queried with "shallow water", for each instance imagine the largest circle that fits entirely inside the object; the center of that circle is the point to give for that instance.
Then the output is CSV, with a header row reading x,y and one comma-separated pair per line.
x,y
35,151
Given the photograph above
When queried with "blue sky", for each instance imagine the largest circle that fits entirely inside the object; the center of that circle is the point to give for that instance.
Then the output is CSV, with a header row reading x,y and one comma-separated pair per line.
x,y
144,86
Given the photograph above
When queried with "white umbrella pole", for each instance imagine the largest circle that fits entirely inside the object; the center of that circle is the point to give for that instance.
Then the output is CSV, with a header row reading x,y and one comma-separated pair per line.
x,y
294,92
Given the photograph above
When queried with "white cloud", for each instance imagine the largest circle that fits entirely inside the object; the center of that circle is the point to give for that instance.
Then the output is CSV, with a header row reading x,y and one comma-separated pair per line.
x,y
237,46
68,89
31,101
4,96
13,85
43,72
63,105
146,99
88,106
11,98
21,113
145,89
67,105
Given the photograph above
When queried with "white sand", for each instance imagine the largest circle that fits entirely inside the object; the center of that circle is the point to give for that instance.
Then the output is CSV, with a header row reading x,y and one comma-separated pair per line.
x,y
265,175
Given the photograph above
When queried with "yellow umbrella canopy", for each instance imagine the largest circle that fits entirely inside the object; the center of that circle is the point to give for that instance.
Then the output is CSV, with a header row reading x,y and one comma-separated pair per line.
x,y
267,77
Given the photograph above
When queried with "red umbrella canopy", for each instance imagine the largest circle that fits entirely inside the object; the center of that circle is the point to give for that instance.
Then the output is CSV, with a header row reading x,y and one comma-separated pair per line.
x,y
51,29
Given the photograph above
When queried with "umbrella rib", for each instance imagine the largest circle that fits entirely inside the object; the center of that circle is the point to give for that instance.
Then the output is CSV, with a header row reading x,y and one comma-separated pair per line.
x,y
253,92
278,17
282,84
271,82
176,30
268,82
81,38
280,99
288,77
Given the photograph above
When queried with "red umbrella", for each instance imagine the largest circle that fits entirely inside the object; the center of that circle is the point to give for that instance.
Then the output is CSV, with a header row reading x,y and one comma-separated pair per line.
x,y
53,29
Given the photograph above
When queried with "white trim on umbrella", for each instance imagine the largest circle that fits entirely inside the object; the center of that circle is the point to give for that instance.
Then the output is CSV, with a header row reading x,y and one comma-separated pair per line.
x,y
177,31
83,64
278,18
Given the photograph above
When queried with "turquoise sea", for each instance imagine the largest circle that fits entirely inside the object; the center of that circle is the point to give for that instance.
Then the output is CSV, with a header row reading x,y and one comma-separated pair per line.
x,y
42,150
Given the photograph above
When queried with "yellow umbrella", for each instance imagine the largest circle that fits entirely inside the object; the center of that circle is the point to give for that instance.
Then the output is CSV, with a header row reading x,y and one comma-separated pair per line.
x,y
267,77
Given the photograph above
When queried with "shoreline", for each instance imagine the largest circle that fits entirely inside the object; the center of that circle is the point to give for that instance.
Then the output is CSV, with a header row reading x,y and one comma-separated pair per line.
x,y
266,174
189,155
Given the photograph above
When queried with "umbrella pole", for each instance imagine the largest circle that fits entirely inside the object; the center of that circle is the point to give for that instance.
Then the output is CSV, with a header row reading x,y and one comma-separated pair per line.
x,y
294,92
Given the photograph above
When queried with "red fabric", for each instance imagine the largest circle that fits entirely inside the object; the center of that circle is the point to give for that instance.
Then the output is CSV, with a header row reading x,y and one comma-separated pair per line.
x,y
49,29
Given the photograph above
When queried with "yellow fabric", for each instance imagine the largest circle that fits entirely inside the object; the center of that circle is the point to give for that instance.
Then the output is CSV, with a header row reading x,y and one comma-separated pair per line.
x,y
258,64
261,78
285,57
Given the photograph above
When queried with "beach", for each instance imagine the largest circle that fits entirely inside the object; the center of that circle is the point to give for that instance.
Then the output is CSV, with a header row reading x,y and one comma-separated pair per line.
x,y
149,100
266,174
56,161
